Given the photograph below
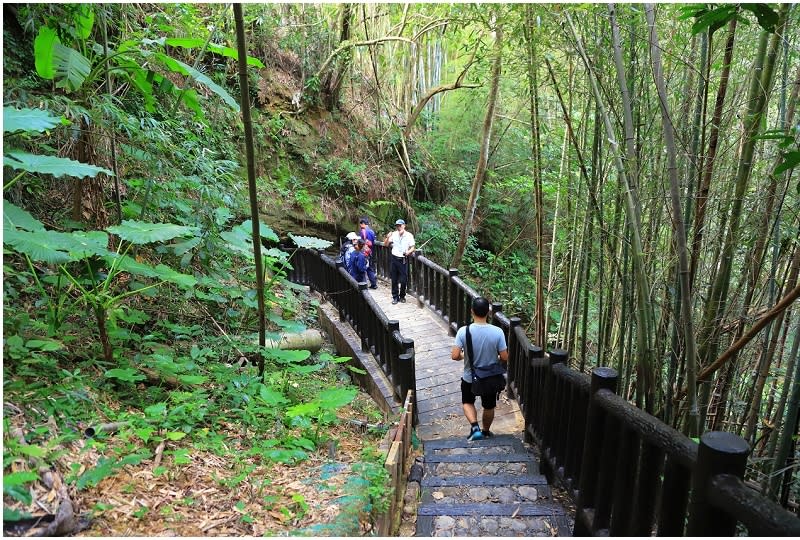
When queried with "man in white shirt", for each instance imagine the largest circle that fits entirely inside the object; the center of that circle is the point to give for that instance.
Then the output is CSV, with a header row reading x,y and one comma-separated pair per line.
x,y
402,243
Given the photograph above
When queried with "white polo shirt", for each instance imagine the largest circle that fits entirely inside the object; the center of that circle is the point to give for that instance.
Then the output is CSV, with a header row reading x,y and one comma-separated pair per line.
x,y
401,242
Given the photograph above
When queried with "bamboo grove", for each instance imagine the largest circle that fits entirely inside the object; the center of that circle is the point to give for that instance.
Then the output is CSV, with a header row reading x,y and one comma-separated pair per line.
x,y
622,177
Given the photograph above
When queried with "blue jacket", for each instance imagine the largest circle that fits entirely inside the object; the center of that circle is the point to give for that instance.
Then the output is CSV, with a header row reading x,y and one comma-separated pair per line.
x,y
358,266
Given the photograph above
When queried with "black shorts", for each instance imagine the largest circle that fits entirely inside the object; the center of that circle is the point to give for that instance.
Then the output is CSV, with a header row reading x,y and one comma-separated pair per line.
x,y
488,401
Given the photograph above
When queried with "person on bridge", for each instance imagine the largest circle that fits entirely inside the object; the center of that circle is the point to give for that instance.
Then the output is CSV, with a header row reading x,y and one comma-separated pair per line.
x,y
488,347
358,262
368,236
347,250
402,243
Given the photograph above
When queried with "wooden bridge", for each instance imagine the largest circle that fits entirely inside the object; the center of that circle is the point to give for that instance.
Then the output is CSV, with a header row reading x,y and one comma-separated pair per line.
x,y
628,473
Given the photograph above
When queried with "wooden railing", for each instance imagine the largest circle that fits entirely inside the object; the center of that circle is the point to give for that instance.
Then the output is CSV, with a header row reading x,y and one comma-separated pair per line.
x,y
628,472
398,448
378,334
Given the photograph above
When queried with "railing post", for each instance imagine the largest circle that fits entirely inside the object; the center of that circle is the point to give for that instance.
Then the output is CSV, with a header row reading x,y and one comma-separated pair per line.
x,y
602,378
515,359
548,423
719,453
452,305
392,326
407,377
531,393
358,317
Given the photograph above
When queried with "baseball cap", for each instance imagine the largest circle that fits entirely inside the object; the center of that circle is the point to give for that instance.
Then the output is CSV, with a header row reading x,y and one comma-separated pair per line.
x,y
352,236
364,220
399,222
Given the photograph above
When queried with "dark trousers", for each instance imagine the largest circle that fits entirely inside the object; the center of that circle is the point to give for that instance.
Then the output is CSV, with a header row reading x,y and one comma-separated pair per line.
x,y
398,271
373,279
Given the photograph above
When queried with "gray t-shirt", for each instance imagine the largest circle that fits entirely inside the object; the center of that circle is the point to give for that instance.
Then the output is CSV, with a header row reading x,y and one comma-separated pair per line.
x,y
487,342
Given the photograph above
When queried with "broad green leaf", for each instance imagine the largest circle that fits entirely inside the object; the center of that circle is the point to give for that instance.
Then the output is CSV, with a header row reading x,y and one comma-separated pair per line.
x,y
790,161
16,217
10,514
144,433
37,120
72,67
184,69
181,456
140,232
333,398
43,246
303,409
43,46
156,410
84,20
270,396
767,17
310,242
192,379
83,244
33,451
160,272
19,478
196,43
124,374
44,345
286,357
305,370
239,238
175,435
57,166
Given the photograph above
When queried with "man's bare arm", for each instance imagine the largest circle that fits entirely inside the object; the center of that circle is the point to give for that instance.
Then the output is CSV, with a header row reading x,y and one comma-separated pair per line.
x,y
456,353
503,356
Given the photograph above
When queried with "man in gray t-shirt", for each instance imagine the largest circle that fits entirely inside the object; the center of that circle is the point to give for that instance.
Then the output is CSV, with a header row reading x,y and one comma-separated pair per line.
x,y
488,346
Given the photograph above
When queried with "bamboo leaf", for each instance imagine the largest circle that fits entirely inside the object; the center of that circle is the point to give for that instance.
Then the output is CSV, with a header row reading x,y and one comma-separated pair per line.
x,y
790,161
140,232
197,43
38,120
57,166
179,67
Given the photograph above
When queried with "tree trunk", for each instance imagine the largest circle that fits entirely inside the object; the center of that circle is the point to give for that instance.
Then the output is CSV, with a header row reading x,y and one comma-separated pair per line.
x,y
761,85
480,170
251,180
692,426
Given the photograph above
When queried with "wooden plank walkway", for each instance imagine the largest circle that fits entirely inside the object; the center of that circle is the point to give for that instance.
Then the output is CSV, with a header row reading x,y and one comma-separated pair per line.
x,y
438,377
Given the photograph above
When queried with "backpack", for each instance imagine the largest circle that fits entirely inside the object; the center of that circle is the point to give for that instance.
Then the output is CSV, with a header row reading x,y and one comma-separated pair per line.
x,y
342,252
367,249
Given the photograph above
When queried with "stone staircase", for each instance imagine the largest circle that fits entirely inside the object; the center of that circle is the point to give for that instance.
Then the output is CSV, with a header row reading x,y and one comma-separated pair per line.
x,y
490,487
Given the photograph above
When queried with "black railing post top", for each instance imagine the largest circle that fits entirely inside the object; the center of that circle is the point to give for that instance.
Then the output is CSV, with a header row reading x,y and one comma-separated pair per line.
x,y
393,325
558,356
534,351
452,272
408,343
604,378
514,321
497,307
362,286
724,443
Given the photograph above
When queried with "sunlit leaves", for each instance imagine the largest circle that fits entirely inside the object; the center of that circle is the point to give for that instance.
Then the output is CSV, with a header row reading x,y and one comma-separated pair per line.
x,y
196,43
124,374
43,52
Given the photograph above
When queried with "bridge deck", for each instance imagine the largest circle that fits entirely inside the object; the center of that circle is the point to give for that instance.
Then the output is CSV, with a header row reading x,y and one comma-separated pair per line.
x,y
438,377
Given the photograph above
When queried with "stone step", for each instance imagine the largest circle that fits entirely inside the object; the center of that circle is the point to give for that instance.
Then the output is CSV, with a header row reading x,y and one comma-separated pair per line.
x,y
480,469
433,446
492,520
496,480
513,493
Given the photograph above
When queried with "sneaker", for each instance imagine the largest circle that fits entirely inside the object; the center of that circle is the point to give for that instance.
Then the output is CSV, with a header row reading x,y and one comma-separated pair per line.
x,y
403,300
487,434
394,301
475,435
373,287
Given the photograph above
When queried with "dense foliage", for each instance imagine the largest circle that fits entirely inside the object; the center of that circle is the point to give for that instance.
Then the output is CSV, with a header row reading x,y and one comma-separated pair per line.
x,y
635,187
